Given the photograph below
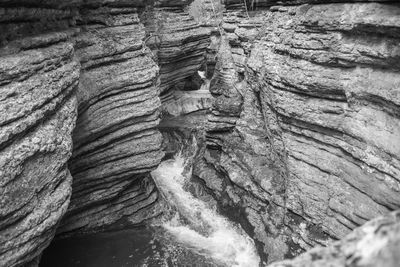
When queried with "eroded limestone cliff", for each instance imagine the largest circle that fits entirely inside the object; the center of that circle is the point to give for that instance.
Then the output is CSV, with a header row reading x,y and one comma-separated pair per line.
x,y
305,126
301,144
39,77
115,140
84,62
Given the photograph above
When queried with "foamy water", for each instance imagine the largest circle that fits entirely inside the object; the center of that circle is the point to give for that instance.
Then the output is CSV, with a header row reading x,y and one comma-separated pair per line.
x,y
203,230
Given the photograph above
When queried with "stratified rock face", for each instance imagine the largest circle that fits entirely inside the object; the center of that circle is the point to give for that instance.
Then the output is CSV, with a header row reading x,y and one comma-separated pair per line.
x,y
328,76
256,4
240,166
47,48
38,79
115,140
115,143
181,49
179,103
377,243
305,125
177,41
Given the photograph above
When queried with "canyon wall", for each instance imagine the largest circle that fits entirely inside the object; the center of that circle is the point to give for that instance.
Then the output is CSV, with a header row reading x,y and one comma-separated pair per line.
x,y
328,83
301,144
115,141
84,63
376,243
39,76
305,128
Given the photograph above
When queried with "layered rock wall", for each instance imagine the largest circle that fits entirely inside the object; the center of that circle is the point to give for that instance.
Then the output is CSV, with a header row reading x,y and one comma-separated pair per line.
x,y
301,141
115,141
86,62
39,77
178,42
376,243
305,124
328,82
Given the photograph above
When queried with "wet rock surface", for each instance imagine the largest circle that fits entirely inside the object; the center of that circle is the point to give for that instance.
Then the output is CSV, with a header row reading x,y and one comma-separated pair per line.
x,y
298,125
86,64
304,126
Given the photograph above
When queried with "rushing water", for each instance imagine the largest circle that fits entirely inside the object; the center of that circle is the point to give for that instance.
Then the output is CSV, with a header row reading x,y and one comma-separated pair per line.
x,y
198,227
193,235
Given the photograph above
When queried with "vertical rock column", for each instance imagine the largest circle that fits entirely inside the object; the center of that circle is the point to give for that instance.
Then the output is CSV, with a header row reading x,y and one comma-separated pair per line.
x,y
241,167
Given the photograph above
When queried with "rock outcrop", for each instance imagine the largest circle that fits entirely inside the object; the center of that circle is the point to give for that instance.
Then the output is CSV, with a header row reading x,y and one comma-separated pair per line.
x,y
300,146
328,80
376,243
304,129
38,80
115,141
86,61
180,44
180,103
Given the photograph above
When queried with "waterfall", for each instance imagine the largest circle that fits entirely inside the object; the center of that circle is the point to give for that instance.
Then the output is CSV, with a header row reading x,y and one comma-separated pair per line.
x,y
197,226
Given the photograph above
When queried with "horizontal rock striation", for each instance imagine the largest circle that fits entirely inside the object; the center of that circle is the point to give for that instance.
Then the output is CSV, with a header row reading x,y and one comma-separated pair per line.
x,y
305,121
20,19
252,5
180,103
301,142
239,167
95,51
115,141
328,81
177,40
38,80
374,244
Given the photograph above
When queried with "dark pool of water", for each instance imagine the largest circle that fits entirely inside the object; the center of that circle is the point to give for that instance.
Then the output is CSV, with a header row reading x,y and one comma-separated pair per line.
x,y
133,247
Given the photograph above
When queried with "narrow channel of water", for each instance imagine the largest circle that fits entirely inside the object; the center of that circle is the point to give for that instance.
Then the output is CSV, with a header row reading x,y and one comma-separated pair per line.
x,y
193,235
198,227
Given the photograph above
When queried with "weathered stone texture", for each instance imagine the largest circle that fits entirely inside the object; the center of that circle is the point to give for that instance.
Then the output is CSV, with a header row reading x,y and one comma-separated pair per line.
x,y
182,48
115,143
260,4
177,41
38,80
302,140
376,243
179,103
46,49
306,121
328,80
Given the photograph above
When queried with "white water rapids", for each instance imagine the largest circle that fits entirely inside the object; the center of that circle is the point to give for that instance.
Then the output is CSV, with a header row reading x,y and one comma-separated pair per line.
x,y
198,227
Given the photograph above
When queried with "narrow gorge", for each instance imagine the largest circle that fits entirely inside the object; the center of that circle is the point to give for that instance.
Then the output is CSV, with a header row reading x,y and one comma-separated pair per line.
x,y
199,133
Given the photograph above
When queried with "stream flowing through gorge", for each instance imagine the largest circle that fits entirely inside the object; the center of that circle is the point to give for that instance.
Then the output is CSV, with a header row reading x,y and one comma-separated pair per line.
x,y
191,234
196,225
